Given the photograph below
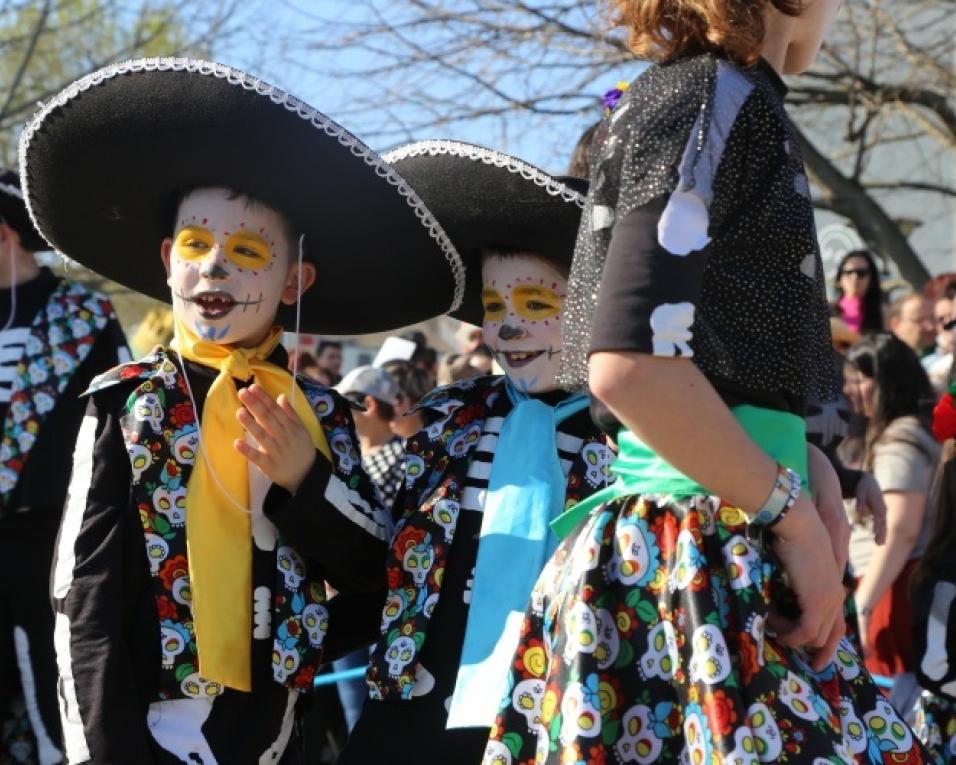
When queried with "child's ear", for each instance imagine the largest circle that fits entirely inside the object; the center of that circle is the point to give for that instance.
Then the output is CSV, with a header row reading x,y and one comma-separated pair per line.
x,y
291,289
165,249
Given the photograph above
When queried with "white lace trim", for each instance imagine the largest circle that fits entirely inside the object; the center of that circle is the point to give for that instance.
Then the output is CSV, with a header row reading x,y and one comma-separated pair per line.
x,y
13,191
490,157
278,96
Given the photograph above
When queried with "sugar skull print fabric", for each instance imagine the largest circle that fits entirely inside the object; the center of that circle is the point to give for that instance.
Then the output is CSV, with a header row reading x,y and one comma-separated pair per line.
x,y
646,641
162,441
61,337
440,495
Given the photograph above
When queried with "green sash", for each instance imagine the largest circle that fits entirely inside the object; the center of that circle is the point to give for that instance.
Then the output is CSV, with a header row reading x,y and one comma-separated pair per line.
x,y
640,471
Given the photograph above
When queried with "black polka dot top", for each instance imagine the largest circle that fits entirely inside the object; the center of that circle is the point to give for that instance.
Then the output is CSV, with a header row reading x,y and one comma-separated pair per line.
x,y
698,238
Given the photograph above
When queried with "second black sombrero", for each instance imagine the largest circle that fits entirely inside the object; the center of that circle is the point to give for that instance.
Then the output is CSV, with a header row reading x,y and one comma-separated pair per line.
x,y
486,200
104,161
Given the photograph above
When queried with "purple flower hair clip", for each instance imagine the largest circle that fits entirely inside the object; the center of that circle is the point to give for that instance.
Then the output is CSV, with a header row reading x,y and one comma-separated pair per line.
x,y
613,97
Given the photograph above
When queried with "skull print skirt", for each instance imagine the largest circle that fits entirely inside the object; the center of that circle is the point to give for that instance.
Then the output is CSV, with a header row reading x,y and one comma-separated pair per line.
x,y
646,642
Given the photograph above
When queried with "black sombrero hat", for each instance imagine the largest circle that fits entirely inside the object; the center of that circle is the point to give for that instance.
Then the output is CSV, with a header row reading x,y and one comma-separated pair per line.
x,y
13,211
104,161
484,199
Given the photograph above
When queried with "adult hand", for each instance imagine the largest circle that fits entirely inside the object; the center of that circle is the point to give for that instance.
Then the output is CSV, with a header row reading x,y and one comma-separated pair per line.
x,y
283,450
869,501
828,497
816,582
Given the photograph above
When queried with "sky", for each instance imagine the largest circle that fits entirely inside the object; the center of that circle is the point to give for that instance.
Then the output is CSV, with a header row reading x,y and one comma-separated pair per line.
x,y
280,52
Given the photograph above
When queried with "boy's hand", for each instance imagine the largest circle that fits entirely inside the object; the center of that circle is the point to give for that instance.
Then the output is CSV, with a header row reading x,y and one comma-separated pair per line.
x,y
285,452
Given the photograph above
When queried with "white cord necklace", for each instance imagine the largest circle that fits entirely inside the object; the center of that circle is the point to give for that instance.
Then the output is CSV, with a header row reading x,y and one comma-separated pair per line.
x,y
295,364
13,291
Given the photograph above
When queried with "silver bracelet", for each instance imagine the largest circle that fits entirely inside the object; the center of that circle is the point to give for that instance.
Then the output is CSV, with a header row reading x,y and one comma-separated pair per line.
x,y
786,491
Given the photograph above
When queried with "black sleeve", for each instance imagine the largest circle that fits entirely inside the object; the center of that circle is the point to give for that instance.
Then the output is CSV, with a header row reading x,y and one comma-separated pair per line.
x,y
329,525
648,296
934,635
355,620
103,714
119,349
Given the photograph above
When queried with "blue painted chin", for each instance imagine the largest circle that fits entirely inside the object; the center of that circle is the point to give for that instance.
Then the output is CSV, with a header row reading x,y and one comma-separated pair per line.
x,y
524,384
209,331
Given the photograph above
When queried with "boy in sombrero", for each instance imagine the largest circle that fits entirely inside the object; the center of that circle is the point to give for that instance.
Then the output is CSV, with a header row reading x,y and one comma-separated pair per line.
x,y
188,617
498,458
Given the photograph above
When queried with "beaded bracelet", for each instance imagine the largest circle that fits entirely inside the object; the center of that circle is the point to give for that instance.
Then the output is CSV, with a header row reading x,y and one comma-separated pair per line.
x,y
786,490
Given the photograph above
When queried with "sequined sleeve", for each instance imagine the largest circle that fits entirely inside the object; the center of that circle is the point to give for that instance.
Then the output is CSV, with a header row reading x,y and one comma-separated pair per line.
x,y
663,221
698,238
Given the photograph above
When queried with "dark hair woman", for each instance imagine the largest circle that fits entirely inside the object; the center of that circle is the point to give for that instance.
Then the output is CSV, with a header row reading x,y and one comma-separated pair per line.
x,y
896,397
860,296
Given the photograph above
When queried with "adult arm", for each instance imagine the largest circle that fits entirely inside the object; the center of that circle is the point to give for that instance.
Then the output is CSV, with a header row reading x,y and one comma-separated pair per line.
x,y
905,512
673,408
102,710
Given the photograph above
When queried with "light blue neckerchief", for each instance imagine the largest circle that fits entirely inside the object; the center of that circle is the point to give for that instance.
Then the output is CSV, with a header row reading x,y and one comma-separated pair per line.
x,y
526,491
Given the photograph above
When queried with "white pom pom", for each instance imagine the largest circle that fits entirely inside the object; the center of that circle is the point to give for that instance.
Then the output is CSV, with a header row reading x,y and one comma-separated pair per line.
x,y
682,228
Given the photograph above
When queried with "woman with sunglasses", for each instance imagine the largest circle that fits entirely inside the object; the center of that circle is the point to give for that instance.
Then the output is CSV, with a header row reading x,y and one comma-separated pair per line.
x,y
860,296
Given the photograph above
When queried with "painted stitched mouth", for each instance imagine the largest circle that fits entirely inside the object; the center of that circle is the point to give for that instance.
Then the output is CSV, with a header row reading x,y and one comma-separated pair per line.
x,y
518,359
217,304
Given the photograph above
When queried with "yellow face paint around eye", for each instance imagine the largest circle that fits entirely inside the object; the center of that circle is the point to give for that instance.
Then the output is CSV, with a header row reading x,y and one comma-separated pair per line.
x,y
193,242
536,303
495,308
248,250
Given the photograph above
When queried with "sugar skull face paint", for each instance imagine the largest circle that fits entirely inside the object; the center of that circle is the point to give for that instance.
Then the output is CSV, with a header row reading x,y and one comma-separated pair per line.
x,y
523,297
229,266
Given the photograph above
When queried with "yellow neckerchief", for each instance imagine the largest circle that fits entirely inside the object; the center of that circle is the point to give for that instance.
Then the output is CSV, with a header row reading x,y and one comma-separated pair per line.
x,y
218,533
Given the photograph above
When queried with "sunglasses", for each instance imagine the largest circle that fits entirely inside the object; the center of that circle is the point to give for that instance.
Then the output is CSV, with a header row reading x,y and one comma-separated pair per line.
x,y
861,272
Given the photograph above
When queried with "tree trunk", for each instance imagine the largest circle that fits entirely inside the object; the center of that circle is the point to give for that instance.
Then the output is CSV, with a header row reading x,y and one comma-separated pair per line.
x,y
848,198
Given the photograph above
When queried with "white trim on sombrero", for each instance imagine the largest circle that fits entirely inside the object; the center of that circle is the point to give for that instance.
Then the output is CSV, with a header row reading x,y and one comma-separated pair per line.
x,y
435,147
13,191
278,96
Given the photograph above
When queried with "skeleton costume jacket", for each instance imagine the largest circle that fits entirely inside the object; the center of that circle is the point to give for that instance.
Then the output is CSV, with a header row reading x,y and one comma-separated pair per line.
x,y
430,564
130,687
58,342
59,335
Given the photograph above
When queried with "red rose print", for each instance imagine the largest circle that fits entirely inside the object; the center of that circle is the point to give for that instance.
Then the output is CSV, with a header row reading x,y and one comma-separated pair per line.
x,y
182,414
408,538
132,371
666,531
166,608
720,712
749,664
394,577
172,570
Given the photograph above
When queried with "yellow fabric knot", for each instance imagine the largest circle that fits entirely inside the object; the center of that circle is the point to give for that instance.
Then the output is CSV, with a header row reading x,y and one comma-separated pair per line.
x,y
218,521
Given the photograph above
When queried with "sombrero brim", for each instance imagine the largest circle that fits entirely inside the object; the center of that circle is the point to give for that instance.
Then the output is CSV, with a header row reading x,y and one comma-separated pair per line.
x,y
487,200
103,163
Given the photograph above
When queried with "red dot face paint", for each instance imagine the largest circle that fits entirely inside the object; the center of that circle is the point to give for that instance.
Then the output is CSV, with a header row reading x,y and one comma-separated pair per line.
x,y
245,268
531,352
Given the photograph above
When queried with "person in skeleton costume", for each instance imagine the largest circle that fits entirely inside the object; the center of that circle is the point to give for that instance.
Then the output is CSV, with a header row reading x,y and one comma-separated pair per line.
x,y
693,611
189,615
497,459
57,335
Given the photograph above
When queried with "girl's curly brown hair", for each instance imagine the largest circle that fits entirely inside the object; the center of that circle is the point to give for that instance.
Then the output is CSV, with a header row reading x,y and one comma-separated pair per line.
x,y
664,29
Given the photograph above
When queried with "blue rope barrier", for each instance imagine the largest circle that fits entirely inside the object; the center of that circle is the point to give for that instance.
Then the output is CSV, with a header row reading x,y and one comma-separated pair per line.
x,y
334,677
883,682
349,674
